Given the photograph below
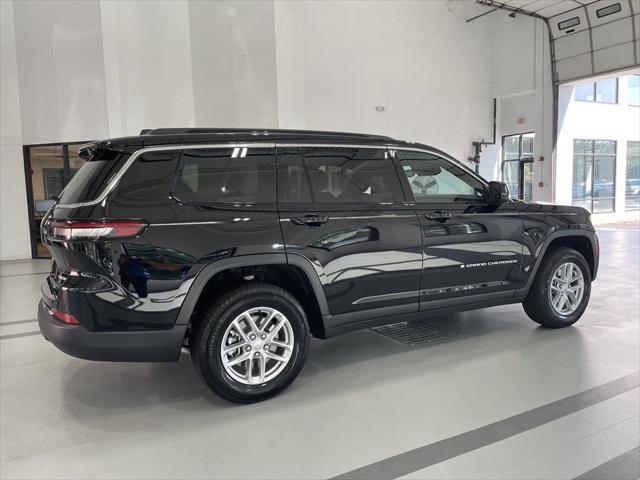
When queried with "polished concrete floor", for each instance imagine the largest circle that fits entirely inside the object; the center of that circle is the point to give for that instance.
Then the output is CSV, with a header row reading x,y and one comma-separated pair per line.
x,y
501,398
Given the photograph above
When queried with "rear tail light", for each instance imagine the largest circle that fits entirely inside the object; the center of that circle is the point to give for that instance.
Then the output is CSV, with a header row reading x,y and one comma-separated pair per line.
x,y
65,317
74,230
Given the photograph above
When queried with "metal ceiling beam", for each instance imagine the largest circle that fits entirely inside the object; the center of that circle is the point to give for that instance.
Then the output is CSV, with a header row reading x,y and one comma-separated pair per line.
x,y
504,6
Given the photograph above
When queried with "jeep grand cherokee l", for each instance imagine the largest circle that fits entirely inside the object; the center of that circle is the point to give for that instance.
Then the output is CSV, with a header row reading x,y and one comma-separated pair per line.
x,y
241,244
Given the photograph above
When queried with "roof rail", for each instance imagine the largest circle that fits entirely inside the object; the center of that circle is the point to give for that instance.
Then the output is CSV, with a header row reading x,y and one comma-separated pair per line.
x,y
256,131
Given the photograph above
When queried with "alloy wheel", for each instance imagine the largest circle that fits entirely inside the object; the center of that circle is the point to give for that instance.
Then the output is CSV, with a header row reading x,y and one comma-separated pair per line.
x,y
566,289
257,345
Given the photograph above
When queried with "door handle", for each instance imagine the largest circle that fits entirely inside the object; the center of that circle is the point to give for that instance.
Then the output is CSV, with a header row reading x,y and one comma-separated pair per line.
x,y
438,216
310,220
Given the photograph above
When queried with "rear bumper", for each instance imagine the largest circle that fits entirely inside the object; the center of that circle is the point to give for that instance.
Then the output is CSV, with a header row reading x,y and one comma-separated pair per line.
x,y
125,346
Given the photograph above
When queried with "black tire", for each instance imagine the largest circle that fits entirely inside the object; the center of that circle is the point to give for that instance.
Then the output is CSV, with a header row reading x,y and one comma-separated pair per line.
x,y
208,335
537,303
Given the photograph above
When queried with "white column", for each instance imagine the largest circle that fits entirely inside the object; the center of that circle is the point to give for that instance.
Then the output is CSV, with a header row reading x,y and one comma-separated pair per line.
x,y
14,234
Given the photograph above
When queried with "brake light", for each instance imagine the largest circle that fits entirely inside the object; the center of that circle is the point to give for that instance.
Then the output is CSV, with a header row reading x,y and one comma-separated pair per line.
x,y
65,317
73,230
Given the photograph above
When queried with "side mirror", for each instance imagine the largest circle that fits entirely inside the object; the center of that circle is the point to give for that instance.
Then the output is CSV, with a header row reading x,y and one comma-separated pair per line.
x,y
497,192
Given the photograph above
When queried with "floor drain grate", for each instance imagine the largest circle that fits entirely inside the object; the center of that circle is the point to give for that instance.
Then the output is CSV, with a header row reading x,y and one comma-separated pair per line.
x,y
414,332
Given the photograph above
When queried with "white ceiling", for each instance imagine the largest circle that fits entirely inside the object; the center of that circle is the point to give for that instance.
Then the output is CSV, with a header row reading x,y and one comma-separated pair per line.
x,y
588,37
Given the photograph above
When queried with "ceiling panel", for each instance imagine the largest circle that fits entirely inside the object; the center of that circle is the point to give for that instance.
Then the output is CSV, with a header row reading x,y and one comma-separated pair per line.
x,y
557,8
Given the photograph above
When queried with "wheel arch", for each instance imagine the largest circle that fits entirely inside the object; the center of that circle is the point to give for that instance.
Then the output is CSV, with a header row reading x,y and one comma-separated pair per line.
x,y
583,240
294,273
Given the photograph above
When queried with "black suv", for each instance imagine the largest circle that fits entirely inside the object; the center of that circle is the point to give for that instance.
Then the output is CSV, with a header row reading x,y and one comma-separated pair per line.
x,y
240,244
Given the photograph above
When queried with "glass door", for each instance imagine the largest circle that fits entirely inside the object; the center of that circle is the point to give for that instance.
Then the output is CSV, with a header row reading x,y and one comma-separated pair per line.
x,y
48,169
517,164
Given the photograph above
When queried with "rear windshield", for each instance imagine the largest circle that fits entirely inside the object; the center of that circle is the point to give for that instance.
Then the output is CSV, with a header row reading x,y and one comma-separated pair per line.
x,y
93,176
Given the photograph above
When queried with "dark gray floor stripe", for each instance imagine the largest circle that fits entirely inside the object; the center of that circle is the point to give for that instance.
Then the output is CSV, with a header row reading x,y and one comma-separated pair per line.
x,y
624,467
422,457
17,322
18,335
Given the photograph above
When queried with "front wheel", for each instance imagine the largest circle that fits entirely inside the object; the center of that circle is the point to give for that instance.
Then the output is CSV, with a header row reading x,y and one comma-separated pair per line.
x,y
251,344
561,290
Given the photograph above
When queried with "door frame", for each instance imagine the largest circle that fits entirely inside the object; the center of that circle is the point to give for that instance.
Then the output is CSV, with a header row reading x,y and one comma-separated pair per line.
x,y
521,161
66,177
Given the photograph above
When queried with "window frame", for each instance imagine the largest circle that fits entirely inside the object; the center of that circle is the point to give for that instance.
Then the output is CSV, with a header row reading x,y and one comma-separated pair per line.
x,y
594,90
592,155
609,10
66,177
408,191
626,177
628,96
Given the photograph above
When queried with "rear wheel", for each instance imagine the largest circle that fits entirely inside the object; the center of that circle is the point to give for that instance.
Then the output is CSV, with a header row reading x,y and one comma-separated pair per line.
x,y
251,344
561,290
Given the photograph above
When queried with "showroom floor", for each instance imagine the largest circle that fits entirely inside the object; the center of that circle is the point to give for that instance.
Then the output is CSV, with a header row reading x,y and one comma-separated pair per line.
x,y
492,395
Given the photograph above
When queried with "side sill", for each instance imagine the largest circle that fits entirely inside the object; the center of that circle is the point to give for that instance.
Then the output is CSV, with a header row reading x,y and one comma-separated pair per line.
x,y
339,329
470,300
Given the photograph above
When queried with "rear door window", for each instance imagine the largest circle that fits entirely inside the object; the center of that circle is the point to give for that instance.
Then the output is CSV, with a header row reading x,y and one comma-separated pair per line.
x,y
93,177
351,175
226,175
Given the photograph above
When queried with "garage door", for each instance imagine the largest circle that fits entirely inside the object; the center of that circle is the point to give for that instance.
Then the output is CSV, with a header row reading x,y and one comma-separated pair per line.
x,y
588,37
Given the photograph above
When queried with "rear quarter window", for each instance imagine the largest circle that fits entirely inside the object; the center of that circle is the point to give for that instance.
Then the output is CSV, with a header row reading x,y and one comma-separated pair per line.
x,y
226,175
93,177
148,179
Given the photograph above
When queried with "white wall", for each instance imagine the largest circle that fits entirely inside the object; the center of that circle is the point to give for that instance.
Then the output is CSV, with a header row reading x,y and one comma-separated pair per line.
x,y
14,227
234,63
95,69
60,70
523,87
147,62
430,70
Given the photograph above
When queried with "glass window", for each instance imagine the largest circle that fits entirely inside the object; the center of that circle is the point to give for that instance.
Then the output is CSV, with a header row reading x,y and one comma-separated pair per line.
x,y
527,180
512,147
226,175
51,167
571,22
293,179
510,176
351,175
632,178
517,165
607,90
93,176
608,10
594,165
434,179
633,90
148,179
527,145
584,92
604,91
75,160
